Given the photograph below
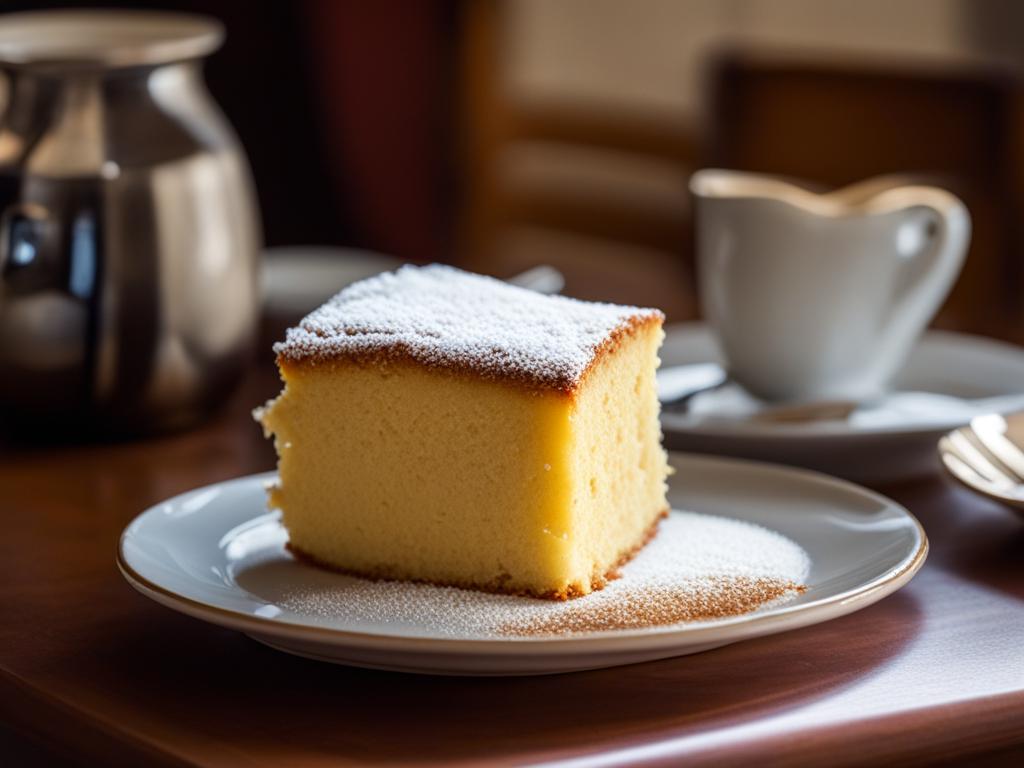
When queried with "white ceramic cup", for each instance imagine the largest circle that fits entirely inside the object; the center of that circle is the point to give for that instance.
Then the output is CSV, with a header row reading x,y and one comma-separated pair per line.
x,y
819,297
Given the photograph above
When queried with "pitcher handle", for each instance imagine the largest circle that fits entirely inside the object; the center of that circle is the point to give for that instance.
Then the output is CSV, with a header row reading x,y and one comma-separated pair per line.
x,y
942,221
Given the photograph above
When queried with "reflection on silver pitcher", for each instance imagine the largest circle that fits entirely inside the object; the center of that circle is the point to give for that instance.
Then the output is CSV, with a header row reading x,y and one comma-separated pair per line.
x,y
129,234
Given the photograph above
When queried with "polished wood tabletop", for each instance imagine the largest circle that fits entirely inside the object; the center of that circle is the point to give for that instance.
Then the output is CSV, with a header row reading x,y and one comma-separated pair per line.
x,y
95,674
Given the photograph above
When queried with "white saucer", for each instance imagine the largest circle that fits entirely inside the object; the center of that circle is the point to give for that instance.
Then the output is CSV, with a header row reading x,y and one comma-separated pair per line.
x,y
948,379
191,552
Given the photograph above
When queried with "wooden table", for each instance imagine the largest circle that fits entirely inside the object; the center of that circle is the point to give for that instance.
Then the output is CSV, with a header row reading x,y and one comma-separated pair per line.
x,y
93,670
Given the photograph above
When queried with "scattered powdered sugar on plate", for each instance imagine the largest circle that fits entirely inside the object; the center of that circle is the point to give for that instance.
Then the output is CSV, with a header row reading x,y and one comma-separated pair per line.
x,y
698,568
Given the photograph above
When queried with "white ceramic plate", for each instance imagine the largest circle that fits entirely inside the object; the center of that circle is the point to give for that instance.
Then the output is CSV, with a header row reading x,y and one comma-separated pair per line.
x,y
298,279
189,553
948,379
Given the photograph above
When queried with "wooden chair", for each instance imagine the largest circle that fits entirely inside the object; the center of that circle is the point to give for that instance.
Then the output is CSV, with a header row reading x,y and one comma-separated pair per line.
x,y
600,194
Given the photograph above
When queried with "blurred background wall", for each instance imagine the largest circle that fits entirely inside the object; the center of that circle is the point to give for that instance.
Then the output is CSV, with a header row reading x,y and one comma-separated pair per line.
x,y
500,134
650,54
599,110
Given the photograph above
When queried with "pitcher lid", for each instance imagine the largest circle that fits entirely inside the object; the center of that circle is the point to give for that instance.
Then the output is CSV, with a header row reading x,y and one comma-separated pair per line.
x,y
105,38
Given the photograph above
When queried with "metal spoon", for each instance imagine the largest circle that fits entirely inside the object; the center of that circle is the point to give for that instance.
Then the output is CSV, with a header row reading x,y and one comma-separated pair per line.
x,y
678,385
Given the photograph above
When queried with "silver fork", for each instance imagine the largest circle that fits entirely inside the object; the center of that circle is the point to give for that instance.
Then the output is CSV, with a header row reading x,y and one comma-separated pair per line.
x,y
982,457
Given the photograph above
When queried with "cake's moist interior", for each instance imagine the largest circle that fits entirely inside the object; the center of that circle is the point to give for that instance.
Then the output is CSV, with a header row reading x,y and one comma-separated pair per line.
x,y
620,467
402,471
398,470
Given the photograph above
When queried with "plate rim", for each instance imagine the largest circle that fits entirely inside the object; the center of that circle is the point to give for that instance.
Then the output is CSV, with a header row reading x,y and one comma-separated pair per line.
x,y
735,628
754,432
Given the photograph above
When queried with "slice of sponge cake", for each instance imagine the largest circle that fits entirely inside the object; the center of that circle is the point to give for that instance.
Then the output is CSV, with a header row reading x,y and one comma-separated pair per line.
x,y
441,426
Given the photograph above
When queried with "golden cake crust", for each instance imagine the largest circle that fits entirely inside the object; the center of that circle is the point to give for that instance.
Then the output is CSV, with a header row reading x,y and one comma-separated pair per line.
x,y
449,320
396,354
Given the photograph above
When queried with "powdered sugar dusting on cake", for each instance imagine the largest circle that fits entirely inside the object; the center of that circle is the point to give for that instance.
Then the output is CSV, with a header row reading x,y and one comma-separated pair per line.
x,y
698,568
443,317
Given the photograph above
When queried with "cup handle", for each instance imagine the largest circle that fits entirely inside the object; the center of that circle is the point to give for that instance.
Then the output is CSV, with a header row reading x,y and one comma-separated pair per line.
x,y
930,270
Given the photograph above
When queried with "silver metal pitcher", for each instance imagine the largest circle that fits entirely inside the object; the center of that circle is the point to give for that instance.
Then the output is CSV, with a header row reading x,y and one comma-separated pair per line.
x,y
129,233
